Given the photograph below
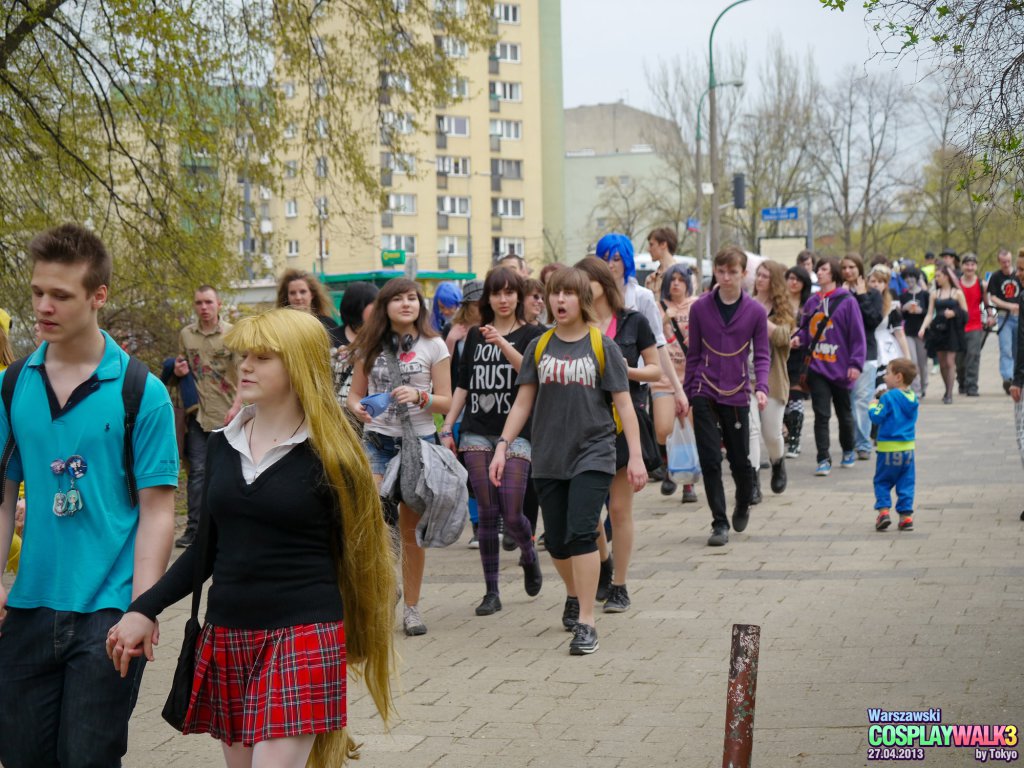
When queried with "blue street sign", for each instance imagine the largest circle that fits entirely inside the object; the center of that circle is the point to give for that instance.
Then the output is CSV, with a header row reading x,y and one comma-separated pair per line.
x,y
692,225
779,214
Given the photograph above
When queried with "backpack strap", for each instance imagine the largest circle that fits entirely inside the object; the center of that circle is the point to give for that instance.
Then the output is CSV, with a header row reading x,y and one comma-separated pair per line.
x,y
597,345
131,392
542,344
7,394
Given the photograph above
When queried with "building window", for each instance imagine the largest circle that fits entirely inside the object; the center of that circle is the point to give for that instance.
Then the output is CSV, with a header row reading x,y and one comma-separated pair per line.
x,y
507,13
404,205
319,49
405,243
507,129
506,245
321,127
507,207
397,82
453,125
602,223
265,193
507,169
321,167
600,181
400,6
401,123
398,162
454,48
288,89
293,248
453,245
508,52
625,181
453,206
320,88
504,91
453,166
291,208
457,7
289,131
291,169
321,207
459,88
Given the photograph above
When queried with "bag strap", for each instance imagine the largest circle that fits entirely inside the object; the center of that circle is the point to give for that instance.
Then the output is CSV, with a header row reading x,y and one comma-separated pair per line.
x,y
131,393
542,344
676,329
395,371
829,308
7,394
203,536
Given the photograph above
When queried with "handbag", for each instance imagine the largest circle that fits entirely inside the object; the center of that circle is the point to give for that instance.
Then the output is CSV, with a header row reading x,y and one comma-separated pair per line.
x,y
683,460
648,442
178,698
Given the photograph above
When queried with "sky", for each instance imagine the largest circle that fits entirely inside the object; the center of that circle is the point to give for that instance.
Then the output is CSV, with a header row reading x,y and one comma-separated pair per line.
x,y
607,43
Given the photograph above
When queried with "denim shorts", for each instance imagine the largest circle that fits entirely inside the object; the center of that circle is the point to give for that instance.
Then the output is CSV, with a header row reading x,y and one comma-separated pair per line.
x,y
518,449
380,449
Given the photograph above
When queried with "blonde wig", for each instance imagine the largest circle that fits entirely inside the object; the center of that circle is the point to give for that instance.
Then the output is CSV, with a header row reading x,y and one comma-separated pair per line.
x,y
883,275
365,562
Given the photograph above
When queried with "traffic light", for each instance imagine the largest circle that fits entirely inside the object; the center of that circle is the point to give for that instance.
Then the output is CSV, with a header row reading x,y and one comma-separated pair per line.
x,y
739,191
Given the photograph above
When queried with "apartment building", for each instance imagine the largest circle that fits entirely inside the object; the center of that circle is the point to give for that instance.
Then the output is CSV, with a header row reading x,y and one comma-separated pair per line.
x,y
488,175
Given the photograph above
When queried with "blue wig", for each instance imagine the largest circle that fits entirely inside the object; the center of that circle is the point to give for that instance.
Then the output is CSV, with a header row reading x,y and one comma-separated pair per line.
x,y
447,295
614,243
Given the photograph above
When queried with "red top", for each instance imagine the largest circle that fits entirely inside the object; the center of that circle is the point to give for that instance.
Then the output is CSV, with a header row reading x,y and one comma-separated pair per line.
x,y
973,297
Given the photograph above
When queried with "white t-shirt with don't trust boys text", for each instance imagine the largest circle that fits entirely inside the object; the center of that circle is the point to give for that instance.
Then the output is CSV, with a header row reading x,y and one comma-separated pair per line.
x,y
415,365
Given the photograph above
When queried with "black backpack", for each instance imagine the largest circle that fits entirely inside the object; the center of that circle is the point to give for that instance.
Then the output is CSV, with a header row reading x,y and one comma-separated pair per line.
x,y
131,393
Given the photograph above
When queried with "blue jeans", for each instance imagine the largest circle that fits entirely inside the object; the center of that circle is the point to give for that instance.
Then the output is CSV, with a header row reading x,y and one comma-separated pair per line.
x,y
1007,344
62,703
863,391
895,470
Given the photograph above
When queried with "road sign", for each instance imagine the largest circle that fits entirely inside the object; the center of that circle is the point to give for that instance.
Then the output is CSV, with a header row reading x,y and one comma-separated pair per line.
x,y
692,225
779,214
707,188
392,258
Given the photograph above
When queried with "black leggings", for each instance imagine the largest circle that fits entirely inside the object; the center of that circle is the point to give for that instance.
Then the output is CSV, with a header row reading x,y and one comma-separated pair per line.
x,y
571,510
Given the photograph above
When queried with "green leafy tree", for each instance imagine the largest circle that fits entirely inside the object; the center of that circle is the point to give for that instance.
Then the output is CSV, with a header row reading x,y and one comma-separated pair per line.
x,y
141,119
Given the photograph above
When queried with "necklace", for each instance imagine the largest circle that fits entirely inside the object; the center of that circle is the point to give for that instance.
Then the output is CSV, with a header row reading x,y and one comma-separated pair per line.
x,y
252,428
515,324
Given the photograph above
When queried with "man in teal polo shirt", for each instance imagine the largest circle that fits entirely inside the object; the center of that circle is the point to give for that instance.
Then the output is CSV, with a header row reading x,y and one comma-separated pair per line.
x,y
87,551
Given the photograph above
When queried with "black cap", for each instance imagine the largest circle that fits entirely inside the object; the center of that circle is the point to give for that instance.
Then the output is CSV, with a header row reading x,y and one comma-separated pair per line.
x,y
929,255
948,252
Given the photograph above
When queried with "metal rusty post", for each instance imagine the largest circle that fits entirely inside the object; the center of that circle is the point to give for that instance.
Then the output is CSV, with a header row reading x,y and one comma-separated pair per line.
x,y
739,710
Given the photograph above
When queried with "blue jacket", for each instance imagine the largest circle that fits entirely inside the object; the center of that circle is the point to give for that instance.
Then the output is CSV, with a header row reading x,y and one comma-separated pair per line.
x,y
895,413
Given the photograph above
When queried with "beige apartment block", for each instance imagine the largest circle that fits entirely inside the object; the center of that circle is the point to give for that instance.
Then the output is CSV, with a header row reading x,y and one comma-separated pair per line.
x,y
487,174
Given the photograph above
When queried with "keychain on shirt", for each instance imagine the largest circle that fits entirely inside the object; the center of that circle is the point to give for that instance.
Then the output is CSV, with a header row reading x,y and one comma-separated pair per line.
x,y
67,504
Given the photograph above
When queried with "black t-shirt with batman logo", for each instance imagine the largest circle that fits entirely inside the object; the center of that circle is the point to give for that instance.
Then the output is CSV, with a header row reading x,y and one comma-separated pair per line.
x,y
490,381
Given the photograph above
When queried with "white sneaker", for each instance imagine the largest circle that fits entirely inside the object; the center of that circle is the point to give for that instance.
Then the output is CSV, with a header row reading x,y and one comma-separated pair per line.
x,y
412,622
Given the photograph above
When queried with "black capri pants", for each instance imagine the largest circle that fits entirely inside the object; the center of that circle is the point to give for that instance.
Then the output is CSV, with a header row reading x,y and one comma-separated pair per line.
x,y
571,510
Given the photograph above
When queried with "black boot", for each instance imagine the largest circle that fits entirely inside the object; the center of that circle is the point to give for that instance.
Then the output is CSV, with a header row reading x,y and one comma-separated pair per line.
x,y
794,421
604,581
755,491
778,476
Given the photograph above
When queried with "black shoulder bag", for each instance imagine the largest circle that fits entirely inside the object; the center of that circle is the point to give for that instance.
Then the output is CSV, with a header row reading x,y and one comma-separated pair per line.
x,y
176,707
805,366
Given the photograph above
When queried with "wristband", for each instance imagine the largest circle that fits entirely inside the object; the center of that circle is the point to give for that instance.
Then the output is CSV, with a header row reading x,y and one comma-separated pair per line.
x,y
446,433
430,401
422,399
499,441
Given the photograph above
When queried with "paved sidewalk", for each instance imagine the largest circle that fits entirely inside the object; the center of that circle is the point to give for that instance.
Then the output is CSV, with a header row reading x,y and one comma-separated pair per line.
x,y
850,619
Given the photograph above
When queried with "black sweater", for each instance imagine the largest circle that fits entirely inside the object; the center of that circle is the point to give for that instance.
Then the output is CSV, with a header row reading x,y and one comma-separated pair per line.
x,y
269,549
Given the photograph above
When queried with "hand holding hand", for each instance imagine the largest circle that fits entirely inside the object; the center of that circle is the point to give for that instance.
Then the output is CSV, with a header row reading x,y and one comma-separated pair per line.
x,y
134,635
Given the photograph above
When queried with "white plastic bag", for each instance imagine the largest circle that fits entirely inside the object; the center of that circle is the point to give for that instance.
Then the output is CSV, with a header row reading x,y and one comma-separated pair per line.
x,y
683,462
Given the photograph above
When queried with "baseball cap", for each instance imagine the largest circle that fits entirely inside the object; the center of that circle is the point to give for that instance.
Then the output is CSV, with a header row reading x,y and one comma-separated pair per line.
x,y
472,291
929,255
948,252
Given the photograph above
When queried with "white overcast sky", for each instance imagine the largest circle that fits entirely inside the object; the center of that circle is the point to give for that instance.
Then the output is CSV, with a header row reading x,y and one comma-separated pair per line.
x,y
606,43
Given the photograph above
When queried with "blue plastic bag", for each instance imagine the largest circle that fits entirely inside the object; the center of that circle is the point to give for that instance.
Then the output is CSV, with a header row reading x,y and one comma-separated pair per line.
x,y
683,462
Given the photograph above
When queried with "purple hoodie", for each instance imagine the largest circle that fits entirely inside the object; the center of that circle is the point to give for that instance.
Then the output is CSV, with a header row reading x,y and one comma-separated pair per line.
x,y
716,363
841,345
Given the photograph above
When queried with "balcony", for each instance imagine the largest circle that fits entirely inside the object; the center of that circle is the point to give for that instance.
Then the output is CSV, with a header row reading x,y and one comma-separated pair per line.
x,y
495,223
442,180
442,221
442,140
442,261
495,103
492,65
385,177
495,183
266,227
387,219
495,143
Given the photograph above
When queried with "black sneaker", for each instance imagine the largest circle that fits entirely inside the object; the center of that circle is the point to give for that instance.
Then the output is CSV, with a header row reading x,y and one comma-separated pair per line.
x,y
755,489
604,581
779,479
541,544
656,475
718,538
490,604
668,486
740,517
533,579
508,543
618,599
584,640
571,613
186,540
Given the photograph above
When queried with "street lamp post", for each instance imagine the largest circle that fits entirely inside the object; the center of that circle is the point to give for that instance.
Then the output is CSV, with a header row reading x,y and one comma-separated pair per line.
x,y
713,128
696,163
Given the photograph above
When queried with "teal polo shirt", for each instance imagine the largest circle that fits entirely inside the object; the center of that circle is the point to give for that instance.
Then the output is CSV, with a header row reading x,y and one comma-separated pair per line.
x,y
84,562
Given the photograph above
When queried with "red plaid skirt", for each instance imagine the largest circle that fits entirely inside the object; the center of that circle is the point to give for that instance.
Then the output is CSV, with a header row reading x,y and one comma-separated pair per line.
x,y
255,685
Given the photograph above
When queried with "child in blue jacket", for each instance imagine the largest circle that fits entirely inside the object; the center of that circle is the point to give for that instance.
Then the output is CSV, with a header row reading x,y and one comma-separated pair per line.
x,y
895,413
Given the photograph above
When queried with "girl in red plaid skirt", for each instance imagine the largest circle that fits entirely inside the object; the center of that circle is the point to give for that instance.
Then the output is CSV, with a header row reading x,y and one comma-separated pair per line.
x,y
292,509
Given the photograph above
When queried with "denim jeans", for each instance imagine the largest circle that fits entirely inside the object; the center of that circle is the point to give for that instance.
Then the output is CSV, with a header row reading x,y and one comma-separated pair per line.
x,y
967,361
863,391
195,452
1007,346
62,703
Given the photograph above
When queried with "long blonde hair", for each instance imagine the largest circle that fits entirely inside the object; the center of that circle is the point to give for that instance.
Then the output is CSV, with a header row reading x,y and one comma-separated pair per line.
x,y
884,274
778,294
365,560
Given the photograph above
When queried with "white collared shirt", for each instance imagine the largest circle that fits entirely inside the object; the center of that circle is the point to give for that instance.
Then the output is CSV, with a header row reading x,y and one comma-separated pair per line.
x,y
235,434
